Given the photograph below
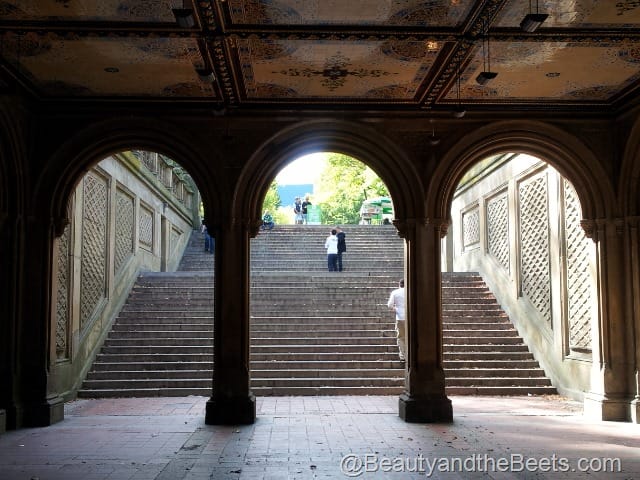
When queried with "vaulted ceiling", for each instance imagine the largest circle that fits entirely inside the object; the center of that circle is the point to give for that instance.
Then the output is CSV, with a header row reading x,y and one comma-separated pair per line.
x,y
300,54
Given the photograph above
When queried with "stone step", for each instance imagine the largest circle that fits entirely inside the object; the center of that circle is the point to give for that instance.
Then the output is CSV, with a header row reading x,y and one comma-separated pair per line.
x,y
164,328
328,357
498,382
481,341
492,373
320,382
463,365
497,391
324,341
489,331
327,390
393,363
484,347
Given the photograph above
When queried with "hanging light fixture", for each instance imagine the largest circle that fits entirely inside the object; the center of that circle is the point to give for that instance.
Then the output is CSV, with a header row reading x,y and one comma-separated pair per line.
x,y
532,21
458,111
486,75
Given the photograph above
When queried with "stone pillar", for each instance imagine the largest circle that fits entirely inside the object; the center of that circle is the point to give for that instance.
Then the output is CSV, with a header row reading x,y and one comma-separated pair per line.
x,y
608,398
36,405
9,233
232,401
165,243
634,314
424,399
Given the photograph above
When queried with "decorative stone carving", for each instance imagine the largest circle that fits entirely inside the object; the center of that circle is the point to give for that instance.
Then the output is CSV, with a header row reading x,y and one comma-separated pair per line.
x,y
535,281
578,278
94,245
497,215
62,297
471,228
145,225
124,229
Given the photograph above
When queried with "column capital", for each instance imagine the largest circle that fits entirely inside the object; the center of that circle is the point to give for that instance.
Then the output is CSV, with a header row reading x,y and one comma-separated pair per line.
x,y
406,227
595,228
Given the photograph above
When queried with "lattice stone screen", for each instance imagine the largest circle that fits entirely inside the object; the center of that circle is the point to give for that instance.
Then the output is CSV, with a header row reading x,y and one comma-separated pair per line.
x,y
534,243
94,245
471,228
62,297
145,225
124,229
498,228
578,278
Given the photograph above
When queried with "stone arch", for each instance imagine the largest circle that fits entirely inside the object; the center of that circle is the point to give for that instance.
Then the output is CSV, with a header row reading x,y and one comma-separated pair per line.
x,y
72,160
564,151
350,138
630,174
11,159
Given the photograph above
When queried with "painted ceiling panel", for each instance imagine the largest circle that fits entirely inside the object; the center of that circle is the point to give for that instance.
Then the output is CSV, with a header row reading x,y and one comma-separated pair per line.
x,y
354,12
574,13
102,10
553,70
391,70
110,66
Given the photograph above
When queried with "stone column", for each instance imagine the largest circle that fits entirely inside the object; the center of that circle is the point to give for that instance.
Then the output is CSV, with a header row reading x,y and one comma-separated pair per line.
x,y
634,314
36,405
424,399
608,398
9,232
232,401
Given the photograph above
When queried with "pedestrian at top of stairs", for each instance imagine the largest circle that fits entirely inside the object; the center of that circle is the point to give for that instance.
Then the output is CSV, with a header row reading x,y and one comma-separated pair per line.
x,y
342,245
331,244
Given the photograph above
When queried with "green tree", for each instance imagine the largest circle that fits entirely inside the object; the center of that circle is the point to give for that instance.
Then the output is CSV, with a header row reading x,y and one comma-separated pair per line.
x,y
272,200
343,186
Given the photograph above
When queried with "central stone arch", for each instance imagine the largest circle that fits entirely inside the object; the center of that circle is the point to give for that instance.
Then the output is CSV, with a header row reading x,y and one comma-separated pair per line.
x,y
357,140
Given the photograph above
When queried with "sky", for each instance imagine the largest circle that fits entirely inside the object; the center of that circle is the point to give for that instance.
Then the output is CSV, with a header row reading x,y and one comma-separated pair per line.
x,y
303,170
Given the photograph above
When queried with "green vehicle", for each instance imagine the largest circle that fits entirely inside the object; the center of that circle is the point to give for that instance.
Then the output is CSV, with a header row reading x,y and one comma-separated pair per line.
x,y
376,211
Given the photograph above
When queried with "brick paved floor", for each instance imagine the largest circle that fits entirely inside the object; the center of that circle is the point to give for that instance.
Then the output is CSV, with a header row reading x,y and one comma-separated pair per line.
x,y
308,438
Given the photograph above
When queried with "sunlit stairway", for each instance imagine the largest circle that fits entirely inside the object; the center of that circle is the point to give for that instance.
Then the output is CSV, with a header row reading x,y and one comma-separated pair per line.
x,y
312,331
161,342
483,353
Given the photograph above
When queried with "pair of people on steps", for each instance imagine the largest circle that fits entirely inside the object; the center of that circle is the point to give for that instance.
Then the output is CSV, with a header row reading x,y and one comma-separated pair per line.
x,y
336,245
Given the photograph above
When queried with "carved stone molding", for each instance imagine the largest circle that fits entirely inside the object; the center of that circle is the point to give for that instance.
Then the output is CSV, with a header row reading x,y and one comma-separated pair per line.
x,y
407,227
59,224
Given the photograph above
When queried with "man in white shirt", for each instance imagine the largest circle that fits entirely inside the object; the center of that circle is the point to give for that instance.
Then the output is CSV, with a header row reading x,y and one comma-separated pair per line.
x,y
396,302
331,244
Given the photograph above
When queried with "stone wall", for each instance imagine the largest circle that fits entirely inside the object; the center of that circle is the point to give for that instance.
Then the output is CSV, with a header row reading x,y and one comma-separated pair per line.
x,y
516,220
132,212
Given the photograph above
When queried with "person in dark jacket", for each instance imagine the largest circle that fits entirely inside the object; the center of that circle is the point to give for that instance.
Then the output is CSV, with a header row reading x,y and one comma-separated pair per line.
x,y
342,246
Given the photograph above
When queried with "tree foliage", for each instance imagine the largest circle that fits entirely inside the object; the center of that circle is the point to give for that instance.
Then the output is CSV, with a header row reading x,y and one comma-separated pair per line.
x,y
272,199
344,184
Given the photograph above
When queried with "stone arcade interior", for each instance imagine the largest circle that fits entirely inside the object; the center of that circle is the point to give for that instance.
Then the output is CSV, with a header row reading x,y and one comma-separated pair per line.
x,y
235,89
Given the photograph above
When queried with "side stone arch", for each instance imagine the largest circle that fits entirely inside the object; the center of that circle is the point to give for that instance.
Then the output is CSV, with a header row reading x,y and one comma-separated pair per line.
x,y
564,151
357,140
630,174
608,387
79,152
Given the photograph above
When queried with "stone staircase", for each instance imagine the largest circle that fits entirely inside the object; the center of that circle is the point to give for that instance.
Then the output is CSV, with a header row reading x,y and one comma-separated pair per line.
x,y
312,331
483,353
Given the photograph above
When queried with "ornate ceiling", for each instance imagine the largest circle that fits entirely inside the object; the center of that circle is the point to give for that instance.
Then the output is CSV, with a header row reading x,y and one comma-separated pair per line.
x,y
398,54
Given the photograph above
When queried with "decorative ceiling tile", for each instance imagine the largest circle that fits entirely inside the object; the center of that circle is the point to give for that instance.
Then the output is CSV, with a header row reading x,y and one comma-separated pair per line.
x,y
392,70
102,10
555,71
438,13
575,13
94,66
